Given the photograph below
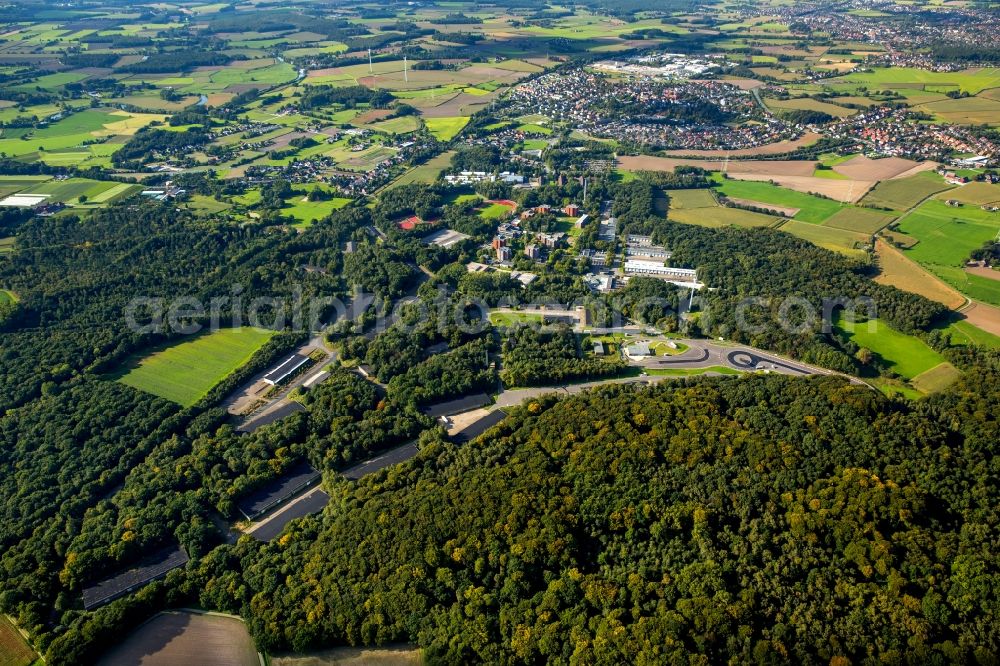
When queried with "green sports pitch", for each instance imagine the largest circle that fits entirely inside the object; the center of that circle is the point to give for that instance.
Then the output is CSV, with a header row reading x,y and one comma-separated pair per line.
x,y
184,372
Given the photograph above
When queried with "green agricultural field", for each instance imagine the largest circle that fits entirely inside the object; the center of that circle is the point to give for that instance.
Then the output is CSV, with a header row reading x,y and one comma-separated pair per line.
x,y
445,129
837,240
936,379
964,333
719,216
688,199
427,172
975,194
905,193
811,209
971,81
401,125
809,104
974,286
184,372
905,355
947,234
861,220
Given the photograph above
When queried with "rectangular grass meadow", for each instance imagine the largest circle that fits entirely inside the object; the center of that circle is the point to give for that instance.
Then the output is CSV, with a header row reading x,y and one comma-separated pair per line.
x,y
905,355
184,372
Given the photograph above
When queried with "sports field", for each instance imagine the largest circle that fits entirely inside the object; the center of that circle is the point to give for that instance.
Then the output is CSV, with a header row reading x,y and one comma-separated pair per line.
x,y
905,355
495,211
184,372
6,297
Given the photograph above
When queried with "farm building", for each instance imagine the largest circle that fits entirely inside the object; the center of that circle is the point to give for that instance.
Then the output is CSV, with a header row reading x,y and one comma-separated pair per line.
x,y
283,372
154,567
265,498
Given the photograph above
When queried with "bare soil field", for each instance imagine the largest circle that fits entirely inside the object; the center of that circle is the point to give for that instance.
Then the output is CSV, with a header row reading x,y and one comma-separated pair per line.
x,y
982,271
899,271
372,116
847,191
390,655
744,84
181,637
760,167
864,168
986,317
778,148
783,210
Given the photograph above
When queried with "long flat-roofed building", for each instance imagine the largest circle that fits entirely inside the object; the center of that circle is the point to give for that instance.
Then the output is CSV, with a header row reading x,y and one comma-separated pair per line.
x,y
682,277
289,367
154,567
265,498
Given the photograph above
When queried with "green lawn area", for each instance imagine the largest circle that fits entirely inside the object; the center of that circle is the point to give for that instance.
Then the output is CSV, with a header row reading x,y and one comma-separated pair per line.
x,y
905,355
445,129
7,297
307,212
184,372
513,318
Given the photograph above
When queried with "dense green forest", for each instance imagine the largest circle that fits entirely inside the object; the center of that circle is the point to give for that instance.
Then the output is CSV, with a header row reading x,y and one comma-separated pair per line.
x,y
765,519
